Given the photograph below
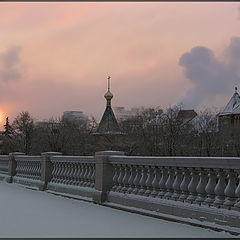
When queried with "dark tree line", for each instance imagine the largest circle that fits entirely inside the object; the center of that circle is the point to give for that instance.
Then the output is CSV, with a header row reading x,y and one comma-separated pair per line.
x,y
151,132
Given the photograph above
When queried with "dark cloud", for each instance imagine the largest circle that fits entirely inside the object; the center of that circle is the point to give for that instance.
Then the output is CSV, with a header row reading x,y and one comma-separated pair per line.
x,y
10,69
209,75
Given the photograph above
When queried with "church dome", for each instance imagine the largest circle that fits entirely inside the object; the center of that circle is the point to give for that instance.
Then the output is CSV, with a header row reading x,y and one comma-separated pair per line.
x,y
108,95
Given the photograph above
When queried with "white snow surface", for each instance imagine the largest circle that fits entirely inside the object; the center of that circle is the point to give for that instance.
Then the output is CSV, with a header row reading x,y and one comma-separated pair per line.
x,y
30,213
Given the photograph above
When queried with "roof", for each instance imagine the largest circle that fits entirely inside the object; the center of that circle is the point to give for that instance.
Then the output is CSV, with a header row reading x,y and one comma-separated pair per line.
x,y
233,106
187,114
108,123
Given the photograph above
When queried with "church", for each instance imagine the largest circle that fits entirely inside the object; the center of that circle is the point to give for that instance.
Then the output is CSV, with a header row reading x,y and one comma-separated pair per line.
x,y
229,118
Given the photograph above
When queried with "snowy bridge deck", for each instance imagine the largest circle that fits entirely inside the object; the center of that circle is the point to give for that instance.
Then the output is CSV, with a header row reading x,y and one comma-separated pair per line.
x,y
29,213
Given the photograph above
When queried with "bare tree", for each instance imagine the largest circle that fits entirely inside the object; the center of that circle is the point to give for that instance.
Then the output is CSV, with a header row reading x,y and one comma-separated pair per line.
x,y
23,127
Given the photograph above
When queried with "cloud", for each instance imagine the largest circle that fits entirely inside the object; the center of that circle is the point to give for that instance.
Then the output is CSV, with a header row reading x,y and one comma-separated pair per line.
x,y
209,75
10,69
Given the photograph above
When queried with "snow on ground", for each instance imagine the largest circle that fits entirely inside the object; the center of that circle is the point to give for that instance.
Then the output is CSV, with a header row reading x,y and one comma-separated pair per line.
x,y
28,213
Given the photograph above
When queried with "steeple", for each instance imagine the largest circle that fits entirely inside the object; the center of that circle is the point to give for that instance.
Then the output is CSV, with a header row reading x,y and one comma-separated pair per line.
x,y
108,95
233,106
108,124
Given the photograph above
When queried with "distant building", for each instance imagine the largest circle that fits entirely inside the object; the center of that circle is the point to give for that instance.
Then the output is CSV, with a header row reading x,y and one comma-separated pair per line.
x,y
123,114
186,116
75,116
230,116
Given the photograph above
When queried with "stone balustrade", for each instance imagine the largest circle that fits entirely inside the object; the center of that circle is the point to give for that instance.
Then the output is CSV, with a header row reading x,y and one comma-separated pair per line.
x,y
71,170
204,181
28,167
196,190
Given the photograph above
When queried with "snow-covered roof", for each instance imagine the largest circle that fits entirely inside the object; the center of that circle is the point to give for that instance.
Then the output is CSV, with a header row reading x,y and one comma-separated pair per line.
x,y
233,106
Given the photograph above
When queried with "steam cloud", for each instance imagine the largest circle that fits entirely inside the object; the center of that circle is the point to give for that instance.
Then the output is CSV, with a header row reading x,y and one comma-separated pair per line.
x,y
210,76
10,65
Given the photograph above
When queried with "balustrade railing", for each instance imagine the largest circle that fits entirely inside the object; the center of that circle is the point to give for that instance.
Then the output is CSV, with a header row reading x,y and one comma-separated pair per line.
x,y
73,170
28,167
203,181
4,164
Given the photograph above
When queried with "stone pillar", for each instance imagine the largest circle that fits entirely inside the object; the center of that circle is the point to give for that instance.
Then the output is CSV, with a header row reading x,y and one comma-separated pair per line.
x,y
46,168
104,174
12,165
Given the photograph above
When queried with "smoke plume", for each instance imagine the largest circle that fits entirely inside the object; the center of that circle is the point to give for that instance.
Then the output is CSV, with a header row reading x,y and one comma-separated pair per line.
x,y
209,75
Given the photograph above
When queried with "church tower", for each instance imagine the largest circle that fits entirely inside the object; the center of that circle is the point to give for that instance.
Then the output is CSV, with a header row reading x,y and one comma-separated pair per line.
x,y
108,135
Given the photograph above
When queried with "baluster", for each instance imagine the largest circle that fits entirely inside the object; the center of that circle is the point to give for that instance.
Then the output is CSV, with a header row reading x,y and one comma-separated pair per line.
x,y
70,173
201,187
28,168
219,189
136,181
86,176
74,172
155,182
192,187
131,178
230,190
115,177
176,184
24,168
63,169
93,175
142,181
120,178
184,184
169,183
162,183
84,170
39,170
66,172
34,169
89,175
82,173
58,172
78,179
125,179
54,175
210,188
237,192
149,181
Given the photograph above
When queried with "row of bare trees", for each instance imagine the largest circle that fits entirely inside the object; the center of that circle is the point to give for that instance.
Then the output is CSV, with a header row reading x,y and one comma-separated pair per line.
x,y
152,132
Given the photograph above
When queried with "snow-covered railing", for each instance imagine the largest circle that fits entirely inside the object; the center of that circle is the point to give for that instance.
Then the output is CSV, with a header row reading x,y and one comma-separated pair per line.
x,y
28,167
204,181
73,170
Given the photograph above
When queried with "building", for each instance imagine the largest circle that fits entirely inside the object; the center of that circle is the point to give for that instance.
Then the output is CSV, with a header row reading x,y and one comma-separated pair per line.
x,y
229,118
123,114
108,134
74,116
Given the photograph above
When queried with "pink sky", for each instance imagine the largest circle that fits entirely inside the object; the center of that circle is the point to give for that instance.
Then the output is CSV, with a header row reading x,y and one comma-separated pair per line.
x,y
57,56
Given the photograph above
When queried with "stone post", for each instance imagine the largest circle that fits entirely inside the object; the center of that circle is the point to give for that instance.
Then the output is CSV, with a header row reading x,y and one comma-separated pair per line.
x,y
12,165
46,168
104,174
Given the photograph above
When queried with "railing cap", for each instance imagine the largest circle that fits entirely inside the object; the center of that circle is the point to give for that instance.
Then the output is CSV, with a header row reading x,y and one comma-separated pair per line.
x,y
51,154
16,153
109,153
